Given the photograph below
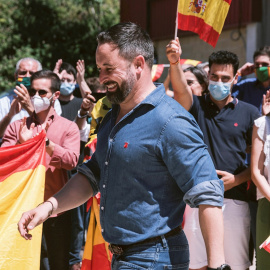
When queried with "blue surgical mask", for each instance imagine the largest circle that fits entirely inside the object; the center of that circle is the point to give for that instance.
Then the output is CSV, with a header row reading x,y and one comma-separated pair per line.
x,y
67,88
220,90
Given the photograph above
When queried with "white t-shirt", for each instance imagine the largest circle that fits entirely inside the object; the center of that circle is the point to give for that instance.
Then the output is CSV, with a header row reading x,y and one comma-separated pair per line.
x,y
263,124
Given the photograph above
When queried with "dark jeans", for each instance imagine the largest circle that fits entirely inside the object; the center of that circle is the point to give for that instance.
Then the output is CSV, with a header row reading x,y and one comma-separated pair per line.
x,y
56,232
170,253
79,223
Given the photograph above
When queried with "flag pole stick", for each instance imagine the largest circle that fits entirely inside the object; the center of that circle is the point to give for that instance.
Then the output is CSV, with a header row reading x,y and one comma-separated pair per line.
x,y
176,21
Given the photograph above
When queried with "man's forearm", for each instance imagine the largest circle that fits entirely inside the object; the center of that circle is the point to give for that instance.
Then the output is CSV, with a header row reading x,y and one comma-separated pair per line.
x,y
76,192
243,176
211,222
4,123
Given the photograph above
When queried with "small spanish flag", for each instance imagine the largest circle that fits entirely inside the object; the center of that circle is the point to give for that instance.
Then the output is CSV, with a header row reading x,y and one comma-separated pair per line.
x,y
203,17
22,178
266,244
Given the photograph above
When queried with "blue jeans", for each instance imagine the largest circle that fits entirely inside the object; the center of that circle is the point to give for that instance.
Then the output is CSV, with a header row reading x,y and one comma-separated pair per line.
x,y
170,253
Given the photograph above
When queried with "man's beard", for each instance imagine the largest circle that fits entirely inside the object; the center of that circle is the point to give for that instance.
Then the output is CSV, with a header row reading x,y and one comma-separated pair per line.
x,y
122,91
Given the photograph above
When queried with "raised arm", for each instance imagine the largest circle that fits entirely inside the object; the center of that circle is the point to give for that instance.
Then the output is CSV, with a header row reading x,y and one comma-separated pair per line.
x,y
182,92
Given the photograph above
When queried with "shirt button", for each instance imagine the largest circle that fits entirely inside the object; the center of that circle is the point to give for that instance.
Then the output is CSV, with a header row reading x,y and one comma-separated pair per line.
x,y
106,162
102,230
111,140
102,207
103,186
217,111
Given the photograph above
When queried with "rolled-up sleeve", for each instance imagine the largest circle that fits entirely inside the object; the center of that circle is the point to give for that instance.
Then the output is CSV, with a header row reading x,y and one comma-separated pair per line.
x,y
91,170
189,163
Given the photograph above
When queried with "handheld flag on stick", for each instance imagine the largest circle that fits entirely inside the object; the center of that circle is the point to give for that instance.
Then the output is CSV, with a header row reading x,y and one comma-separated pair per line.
x,y
203,17
22,178
266,244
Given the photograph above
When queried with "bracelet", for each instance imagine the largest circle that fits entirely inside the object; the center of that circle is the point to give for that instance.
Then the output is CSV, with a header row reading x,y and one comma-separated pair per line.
x,y
172,64
82,116
52,207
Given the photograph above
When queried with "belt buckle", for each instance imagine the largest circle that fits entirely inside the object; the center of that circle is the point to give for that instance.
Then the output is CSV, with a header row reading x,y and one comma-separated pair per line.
x,y
114,249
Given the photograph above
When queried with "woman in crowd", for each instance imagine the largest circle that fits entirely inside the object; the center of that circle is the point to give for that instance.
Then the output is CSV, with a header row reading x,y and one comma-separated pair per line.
x,y
197,80
260,173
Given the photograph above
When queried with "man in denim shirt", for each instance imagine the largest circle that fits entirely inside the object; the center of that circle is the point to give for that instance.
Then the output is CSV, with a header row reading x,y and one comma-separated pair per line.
x,y
150,160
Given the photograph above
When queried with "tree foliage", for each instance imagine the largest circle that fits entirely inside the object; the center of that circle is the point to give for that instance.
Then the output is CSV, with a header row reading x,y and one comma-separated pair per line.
x,y
49,30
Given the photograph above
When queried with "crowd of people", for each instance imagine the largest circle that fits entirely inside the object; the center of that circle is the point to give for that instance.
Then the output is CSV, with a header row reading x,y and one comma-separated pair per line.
x,y
177,174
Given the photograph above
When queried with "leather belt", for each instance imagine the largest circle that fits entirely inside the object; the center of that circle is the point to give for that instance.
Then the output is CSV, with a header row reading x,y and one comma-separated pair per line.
x,y
120,249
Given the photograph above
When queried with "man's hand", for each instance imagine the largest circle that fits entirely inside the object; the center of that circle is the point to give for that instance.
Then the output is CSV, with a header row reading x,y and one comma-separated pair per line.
x,y
15,107
88,103
24,133
266,103
246,69
24,98
57,68
228,179
80,71
33,218
173,50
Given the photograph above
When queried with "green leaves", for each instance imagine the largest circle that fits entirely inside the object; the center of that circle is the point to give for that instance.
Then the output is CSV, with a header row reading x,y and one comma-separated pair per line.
x,y
52,29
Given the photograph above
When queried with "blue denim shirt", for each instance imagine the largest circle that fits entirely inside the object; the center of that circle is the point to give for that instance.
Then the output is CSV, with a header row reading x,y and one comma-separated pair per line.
x,y
147,166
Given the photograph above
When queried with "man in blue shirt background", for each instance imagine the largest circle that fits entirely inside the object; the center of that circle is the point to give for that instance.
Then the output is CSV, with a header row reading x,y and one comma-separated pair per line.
x,y
150,159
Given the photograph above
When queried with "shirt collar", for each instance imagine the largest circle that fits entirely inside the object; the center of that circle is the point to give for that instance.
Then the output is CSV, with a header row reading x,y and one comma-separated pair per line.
x,y
233,103
153,98
52,115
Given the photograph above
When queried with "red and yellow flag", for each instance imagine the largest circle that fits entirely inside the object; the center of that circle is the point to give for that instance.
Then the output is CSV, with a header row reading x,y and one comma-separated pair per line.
x,y
22,178
266,244
96,254
203,17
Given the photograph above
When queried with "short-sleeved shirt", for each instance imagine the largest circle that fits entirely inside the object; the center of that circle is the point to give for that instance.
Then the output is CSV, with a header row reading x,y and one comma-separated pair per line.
x,y
146,166
251,91
227,133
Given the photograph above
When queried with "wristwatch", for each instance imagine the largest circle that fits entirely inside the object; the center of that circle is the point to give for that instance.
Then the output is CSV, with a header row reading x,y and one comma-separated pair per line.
x,y
222,267
47,142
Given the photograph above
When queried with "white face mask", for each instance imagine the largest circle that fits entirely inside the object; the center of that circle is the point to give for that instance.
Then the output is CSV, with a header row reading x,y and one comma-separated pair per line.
x,y
41,104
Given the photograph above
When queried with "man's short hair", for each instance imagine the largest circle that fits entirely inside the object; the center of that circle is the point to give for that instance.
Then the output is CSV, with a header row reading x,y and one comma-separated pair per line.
x,y
94,84
261,52
27,59
131,40
68,68
224,58
48,74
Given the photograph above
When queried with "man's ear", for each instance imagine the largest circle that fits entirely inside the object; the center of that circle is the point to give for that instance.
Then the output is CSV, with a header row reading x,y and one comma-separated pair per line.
x,y
139,63
56,95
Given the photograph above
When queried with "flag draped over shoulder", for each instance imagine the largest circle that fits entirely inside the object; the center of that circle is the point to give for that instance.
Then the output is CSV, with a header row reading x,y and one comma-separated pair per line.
x,y
96,254
204,17
22,178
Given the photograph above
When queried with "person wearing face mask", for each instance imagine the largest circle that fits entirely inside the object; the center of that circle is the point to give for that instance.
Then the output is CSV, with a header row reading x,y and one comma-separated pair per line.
x,y
70,104
62,152
227,125
16,104
251,90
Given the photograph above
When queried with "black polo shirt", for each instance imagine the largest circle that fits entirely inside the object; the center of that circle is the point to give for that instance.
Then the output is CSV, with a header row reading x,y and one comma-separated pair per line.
x,y
227,132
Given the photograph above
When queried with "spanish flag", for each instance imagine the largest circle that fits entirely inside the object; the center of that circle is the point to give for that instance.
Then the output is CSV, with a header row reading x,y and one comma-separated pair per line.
x,y
266,244
203,17
96,254
22,178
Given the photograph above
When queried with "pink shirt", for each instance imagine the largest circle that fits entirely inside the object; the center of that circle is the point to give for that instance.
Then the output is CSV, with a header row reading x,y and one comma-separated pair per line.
x,y
65,134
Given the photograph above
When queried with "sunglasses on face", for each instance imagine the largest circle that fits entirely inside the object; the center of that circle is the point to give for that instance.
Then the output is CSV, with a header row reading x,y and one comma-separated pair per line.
x,y
41,93
24,72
